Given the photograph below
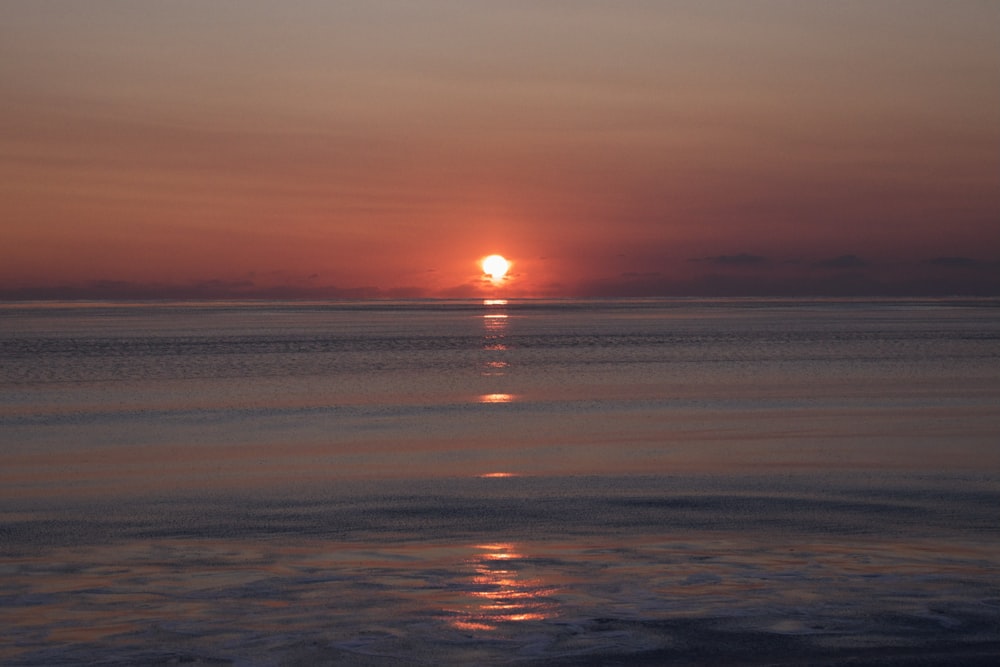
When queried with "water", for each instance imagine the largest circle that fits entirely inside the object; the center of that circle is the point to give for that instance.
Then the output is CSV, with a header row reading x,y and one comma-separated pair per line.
x,y
525,482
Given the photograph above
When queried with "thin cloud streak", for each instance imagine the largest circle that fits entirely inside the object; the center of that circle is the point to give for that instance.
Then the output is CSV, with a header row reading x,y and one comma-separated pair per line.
x,y
740,274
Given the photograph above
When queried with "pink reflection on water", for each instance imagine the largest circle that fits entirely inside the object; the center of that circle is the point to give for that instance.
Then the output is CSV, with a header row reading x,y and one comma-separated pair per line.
x,y
500,594
495,362
494,333
497,398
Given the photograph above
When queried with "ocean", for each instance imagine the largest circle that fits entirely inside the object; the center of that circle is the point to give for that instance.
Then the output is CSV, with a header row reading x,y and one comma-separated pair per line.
x,y
478,482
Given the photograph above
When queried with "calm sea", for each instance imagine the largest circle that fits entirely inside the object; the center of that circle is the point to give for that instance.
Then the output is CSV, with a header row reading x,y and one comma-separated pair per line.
x,y
555,482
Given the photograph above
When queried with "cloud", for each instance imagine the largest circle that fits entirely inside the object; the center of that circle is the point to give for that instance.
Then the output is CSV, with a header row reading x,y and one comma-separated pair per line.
x,y
954,262
728,284
848,275
202,289
842,262
741,274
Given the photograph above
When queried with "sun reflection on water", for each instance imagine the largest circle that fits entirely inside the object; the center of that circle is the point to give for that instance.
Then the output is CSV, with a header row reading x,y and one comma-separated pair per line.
x,y
495,362
496,398
494,331
499,593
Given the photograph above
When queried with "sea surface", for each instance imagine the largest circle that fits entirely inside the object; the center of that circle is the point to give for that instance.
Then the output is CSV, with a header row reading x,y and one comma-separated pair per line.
x,y
527,482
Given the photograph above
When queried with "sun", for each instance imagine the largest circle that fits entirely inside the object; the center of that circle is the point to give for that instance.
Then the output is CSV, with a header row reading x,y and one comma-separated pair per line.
x,y
496,267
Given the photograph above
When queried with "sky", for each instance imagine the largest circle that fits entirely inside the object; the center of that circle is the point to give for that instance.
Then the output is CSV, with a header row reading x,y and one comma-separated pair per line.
x,y
378,149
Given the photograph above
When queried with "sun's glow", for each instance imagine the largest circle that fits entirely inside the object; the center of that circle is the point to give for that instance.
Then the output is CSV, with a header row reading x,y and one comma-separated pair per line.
x,y
496,267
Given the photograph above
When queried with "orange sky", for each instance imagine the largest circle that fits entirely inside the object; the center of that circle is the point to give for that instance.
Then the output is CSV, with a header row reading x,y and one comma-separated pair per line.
x,y
381,148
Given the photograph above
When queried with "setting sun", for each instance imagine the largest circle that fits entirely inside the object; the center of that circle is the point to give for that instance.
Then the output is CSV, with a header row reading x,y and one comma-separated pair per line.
x,y
496,266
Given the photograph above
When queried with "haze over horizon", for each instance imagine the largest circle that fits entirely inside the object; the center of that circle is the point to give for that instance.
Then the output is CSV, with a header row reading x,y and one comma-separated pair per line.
x,y
382,149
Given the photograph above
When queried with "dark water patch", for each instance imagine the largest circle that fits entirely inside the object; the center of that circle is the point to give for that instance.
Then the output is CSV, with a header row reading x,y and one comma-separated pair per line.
x,y
698,643
523,508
